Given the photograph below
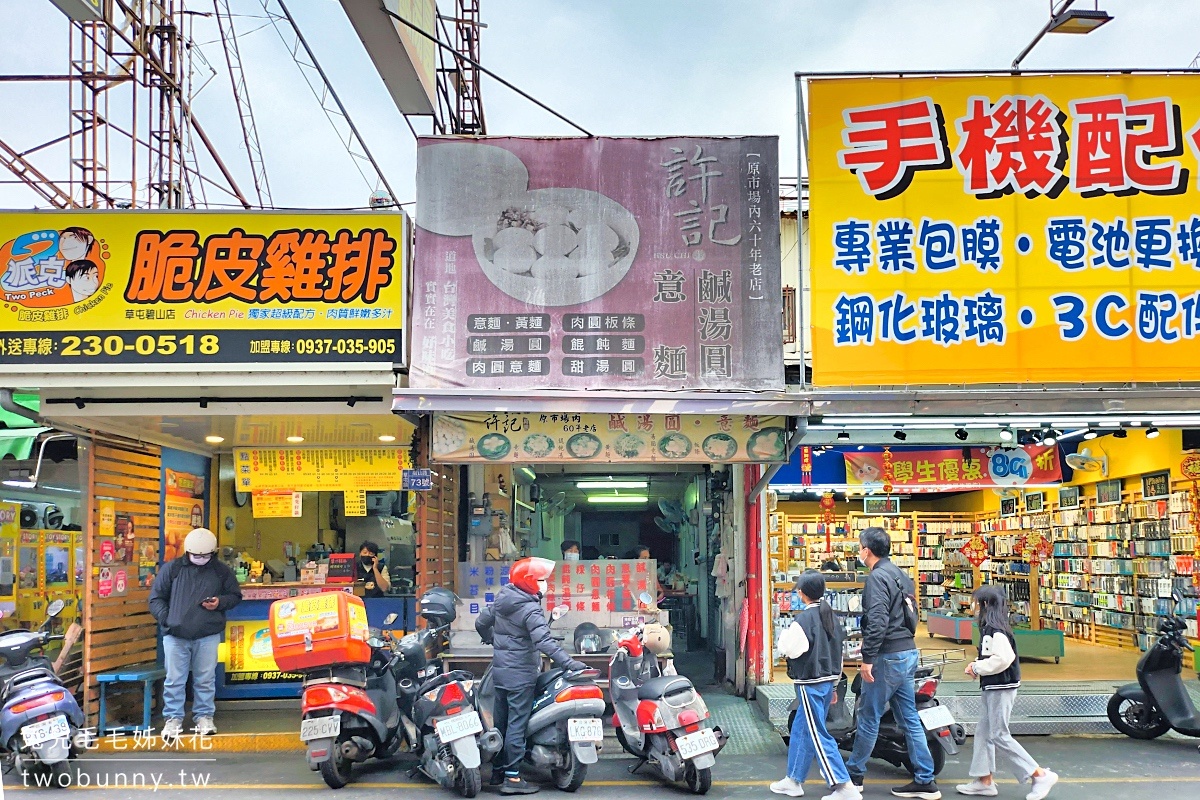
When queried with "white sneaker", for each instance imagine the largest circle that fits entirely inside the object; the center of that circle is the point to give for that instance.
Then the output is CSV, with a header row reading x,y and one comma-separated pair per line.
x,y
845,791
787,786
205,726
1042,785
172,729
978,789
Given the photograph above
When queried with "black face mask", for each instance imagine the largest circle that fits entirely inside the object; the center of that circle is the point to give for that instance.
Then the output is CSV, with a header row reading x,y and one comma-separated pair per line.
x,y
365,561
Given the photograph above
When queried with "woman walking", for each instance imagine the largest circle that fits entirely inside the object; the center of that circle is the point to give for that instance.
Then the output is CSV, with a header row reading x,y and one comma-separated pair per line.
x,y
999,674
812,645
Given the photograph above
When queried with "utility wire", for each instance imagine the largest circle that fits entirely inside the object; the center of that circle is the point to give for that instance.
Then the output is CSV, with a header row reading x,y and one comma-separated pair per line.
x,y
489,73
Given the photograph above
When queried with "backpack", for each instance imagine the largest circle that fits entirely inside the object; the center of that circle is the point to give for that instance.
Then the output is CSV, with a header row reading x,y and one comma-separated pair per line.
x,y
908,605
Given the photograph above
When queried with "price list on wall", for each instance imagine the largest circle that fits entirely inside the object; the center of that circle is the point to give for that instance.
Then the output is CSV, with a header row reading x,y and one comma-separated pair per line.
x,y
319,469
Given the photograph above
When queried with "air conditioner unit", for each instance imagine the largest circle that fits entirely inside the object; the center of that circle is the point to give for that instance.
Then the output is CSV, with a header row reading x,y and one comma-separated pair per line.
x,y
42,516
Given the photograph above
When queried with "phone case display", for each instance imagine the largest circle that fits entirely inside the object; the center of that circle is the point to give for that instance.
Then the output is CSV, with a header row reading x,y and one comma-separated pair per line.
x,y
932,531
1115,567
846,599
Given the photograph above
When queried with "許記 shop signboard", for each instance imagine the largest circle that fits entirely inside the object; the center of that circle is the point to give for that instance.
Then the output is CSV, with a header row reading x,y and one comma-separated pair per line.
x,y
133,288
318,469
598,263
628,438
985,466
971,229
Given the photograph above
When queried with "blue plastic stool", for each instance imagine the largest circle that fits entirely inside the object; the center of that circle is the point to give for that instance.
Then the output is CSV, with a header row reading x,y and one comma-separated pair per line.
x,y
147,677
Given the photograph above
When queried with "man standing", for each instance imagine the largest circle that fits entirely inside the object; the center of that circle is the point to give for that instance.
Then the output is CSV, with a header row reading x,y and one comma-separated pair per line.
x,y
373,571
189,599
890,659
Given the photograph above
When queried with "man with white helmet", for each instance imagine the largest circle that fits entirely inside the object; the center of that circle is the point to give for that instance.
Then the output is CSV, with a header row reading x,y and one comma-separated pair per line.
x,y
189,599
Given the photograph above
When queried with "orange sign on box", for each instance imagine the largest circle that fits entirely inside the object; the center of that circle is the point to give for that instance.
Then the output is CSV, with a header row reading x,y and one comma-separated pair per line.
x,y
1002,228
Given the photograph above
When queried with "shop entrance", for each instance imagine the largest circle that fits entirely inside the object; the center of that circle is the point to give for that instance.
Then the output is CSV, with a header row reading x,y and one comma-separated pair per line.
x,y
1089,528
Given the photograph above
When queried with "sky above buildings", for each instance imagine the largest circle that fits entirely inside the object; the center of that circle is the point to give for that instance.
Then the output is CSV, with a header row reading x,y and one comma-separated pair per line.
x,y
617,67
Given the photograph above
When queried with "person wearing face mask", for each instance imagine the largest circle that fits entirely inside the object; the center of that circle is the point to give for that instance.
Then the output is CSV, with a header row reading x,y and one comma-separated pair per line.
x,y
570,550
516,627
373,571
189,599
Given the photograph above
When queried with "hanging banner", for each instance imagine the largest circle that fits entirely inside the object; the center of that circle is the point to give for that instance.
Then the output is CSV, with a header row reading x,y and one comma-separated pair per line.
x,y
83,289
628,438
267,505
995,229
598,263
319,469
986,466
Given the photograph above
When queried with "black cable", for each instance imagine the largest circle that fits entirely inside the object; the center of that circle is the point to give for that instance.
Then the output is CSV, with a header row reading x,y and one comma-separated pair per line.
x,y
489,73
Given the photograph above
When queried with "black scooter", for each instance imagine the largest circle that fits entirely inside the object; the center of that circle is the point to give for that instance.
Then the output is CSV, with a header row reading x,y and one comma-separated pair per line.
x,y
1159,701
942,734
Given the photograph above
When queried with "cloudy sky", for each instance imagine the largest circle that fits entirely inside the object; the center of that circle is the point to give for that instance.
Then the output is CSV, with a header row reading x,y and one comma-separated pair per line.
x,y
622,67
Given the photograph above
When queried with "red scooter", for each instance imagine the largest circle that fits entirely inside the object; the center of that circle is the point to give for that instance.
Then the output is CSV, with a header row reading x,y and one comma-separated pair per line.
x,y
661,718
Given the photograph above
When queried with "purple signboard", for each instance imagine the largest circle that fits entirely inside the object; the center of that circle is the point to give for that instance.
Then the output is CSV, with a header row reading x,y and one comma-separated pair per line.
x,y
597,263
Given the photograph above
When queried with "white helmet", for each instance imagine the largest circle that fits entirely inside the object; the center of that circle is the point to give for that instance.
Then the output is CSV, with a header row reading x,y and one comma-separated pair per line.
x,y
200,541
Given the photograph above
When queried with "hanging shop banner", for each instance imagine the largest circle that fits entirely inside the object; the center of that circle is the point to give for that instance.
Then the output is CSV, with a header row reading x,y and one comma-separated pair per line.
x,y
183,510
134,288
628,438
598,263
972,229
987,466
268,505
319,469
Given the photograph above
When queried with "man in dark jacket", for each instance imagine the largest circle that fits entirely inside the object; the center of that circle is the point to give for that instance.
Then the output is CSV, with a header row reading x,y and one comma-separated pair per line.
x,y
890,659
517,630
189,599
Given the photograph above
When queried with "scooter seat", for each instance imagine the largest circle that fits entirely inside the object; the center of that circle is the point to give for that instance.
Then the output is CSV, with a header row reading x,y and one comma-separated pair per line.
x,y
662,686
544,679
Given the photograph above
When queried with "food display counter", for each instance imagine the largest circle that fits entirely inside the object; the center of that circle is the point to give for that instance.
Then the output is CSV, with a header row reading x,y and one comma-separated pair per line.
x,y
245,668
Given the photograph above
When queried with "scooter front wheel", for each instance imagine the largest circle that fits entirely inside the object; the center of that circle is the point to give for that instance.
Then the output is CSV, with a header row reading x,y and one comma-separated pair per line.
x,y
1135,719
626,744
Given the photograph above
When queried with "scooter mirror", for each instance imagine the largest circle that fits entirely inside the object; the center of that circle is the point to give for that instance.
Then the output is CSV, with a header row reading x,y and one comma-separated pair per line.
x,y
390,618
646,599
558,612
55,608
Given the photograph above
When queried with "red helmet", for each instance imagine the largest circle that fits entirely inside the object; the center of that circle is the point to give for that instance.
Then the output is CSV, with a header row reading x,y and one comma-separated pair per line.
x,y
526,573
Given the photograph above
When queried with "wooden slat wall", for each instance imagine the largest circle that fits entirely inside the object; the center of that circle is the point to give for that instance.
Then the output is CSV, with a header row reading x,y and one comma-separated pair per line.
x,y
437,525
120,630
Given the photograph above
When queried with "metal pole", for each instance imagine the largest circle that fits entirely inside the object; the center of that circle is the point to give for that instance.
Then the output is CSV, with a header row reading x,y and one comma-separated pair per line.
x,y
801,176
1016,64
488,72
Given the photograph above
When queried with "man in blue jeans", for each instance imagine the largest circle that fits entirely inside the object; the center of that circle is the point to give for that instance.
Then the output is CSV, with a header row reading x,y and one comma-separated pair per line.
x,y
189,599
890,660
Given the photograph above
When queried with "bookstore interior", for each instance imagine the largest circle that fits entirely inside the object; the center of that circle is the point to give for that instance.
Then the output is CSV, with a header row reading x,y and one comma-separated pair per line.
x,y
1090,534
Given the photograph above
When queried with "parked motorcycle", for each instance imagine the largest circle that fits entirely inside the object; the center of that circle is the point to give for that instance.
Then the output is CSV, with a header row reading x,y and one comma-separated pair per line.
x,y
942,734
1159,701
661,718
566,726
39,718
350,713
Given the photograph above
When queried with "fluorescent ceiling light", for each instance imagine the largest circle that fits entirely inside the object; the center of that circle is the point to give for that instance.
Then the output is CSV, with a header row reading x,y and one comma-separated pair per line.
x,y
21,484
295,439
214,439
387,438
591,486
618,499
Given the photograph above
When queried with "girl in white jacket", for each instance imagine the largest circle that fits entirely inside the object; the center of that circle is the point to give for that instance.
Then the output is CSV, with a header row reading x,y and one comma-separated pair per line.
x,y
999,674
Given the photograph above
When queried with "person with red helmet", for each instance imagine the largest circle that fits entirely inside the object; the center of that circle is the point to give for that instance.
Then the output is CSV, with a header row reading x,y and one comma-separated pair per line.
x,y
516,627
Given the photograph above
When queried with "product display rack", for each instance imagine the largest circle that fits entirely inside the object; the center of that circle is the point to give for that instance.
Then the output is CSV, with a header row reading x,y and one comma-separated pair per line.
x,y
935,561
1115,566
1012,569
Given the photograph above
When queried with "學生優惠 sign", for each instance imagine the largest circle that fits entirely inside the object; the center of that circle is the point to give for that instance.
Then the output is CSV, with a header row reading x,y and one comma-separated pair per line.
x,y
990,229
142,288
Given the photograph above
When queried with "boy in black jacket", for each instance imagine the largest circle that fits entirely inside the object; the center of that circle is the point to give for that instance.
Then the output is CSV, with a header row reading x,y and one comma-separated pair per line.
x,y
813,648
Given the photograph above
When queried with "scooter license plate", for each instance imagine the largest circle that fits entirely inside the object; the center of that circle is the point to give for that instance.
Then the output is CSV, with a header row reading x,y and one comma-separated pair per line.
x,y
936,717
46,730
320,728
585,729
695,744
458,726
